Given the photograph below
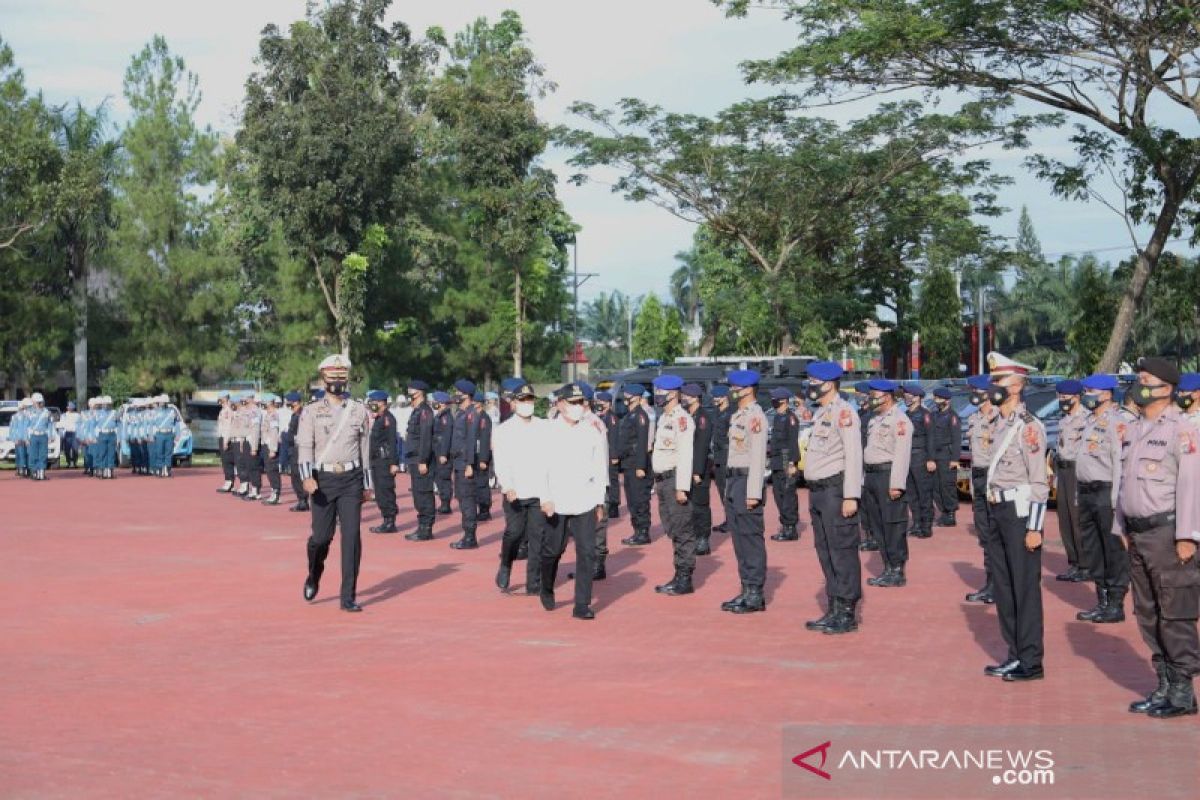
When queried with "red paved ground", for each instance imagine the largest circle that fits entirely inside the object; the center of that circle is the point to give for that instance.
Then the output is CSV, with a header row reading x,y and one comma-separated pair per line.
x,y
155,643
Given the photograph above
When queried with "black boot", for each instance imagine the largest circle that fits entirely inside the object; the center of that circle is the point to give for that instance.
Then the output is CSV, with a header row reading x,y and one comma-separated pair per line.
x,y
947,521
681,585
640,537
821,623
722,528
1115,610
502,576
846,621
467,542
301,505
664,587
703,547
445,509
868,546
878,580
1094,613
1158,696
523,550
599,573
728,605
753,601
1180,700
423,533
896,580
388,526
613,510
985,595
484,515
787,534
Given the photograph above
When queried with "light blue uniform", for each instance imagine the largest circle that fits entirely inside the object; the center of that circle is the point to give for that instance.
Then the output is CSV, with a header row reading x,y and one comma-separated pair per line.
x,y
106,441
39,429
165,427
17,427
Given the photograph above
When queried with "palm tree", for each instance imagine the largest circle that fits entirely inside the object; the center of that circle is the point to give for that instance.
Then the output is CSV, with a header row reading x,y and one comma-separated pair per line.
x,y
685,288
606,323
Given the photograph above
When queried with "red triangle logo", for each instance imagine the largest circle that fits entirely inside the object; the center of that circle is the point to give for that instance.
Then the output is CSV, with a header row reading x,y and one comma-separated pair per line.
x,y
823,749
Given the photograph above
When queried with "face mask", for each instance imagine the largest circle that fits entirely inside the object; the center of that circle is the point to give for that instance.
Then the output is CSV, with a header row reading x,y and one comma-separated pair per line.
x,y
523,409
335,386
815,393
574,412
661,399
876,402
977,398
1185,401
1090,401
1142,395
1066,405
997,394
943,404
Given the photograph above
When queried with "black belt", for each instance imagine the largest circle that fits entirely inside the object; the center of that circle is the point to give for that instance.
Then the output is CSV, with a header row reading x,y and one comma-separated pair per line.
x,y
737,471
1095,486
659,477
1063,463
886,466
1143,524
979,472
827,483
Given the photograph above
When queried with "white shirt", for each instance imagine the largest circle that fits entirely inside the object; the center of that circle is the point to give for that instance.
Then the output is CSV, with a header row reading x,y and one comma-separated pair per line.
x,y
576,466
69,421
402,413
520,451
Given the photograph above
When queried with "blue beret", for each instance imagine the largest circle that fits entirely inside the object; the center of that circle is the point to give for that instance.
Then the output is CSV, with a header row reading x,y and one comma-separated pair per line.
x,y
441,397
377,395
603,397
979,381
588,390
914,389
479,396
942,392
780,393
465,386
743,378
418,386
1190,382
862,387
511,384
1101,383
668,383
825,371
720,390
1070,386
881,385
633,390
292,397
693,390
318,394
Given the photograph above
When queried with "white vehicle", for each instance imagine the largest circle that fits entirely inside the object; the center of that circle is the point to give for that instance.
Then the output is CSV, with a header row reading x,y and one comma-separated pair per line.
x,y
8,448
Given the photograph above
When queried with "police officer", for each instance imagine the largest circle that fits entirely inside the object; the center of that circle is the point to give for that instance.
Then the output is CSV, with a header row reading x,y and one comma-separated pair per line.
x,y
270,442
945,438
1187,397
921,465
443,423
745,491
1070,441
333,440
106,438
167,427
466,454
483,471
1158,512
783,453
590,417
720,454
1098,467
1017,492
297,407
420,456
385,460
38,430
604,410
981,439
671,463
636,436
17,432
886,460
69,445
700,496
521,450
833,472
225,441
862,394
86,433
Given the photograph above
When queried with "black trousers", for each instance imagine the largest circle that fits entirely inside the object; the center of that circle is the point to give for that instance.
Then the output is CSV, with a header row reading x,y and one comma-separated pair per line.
x,y
581,528
229,454
637,497
945,487
443,478
919,494
787,502
467,494
385,489
1018,584
249,468
612,495
1070,527
1101,552
70,448
294,471
483,488
700,500
747,534
337,502
676,519
886,518
524,522
1166,599
836,540
271,467
422,492
982,516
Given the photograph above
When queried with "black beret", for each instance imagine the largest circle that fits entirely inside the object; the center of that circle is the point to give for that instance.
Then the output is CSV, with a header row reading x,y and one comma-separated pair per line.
x,y
1160,368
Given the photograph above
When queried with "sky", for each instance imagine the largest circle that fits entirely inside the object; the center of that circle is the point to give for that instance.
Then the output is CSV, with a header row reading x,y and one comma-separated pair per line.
x,y
681,54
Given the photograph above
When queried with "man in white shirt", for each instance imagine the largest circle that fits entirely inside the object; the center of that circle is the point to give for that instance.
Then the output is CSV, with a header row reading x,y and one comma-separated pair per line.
x,y
519,451
70,444
576,468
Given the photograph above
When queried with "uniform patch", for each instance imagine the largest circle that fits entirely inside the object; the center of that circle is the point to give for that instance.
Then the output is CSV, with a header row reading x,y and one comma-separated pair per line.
x,y
1121,428
1031,439
900,429
1188,444
844,419
756,425
682,424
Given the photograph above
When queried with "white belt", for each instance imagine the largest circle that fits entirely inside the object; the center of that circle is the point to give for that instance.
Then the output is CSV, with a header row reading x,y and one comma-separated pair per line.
x,y
1001,495
339,467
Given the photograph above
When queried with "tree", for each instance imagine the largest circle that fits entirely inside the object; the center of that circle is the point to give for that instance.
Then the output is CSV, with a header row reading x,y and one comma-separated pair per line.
x,y
178,291
82,211
329,123
657,333
685,288
605,322
1095,301
1117,67
939,319
28,163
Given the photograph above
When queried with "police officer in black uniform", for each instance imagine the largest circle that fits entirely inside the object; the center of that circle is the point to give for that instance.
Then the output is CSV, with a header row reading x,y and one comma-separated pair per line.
x,y
922,466
720,451
294,403
483,470
612,424
862,394
700,499
443,421
945,439
634,446
421,460
467,453
385,460
783,453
